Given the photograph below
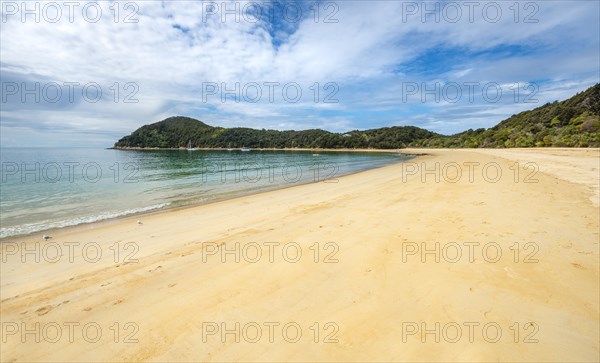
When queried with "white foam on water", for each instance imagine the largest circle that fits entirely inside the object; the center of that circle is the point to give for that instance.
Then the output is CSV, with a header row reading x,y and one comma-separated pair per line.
x,y
45,225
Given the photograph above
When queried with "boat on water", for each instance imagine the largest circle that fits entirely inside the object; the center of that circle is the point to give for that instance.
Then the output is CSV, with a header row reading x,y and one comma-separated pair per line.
x,y
245,149
189,147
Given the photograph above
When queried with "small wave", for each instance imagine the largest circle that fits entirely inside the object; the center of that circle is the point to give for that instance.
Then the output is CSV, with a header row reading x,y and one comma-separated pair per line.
x,y
45,225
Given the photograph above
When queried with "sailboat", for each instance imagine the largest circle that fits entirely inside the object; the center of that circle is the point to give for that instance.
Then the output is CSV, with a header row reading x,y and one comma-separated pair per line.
x,y
189,147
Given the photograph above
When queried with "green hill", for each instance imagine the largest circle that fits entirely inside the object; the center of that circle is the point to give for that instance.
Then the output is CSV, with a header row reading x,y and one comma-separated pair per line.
x,y
571,123
176,132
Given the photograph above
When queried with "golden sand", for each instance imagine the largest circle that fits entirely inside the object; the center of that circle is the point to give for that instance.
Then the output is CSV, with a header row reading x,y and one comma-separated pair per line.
x,y
514,275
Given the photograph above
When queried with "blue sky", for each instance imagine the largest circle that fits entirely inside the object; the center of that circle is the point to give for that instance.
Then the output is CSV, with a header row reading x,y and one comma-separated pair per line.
x,y
444,66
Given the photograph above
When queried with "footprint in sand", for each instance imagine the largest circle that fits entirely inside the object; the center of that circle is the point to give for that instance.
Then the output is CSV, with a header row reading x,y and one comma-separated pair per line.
x,y
106,284
154,269
578,266
44,310
118,302
171,285
87,309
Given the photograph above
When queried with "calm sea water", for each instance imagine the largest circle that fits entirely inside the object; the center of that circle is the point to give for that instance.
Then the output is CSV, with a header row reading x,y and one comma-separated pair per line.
x,y
44,188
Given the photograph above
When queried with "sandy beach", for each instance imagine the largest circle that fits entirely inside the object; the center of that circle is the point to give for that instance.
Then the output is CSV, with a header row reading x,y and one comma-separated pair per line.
x,y
457,255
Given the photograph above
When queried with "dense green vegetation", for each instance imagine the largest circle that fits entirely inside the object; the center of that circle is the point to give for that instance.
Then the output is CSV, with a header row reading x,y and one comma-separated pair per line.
x,y
571,123
178,131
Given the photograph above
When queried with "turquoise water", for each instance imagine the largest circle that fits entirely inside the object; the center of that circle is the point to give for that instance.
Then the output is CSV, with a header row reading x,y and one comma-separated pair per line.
x,y
44,188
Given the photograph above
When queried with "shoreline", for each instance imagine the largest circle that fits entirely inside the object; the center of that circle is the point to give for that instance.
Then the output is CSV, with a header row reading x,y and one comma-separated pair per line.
x,y
415,152
407,150
265,149
112,220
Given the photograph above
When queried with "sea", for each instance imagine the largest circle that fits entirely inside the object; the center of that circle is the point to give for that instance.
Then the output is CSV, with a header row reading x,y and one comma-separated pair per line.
x,y
47,188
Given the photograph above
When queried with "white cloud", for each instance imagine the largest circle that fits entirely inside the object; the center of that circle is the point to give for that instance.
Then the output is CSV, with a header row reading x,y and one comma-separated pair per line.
x,y
174,47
